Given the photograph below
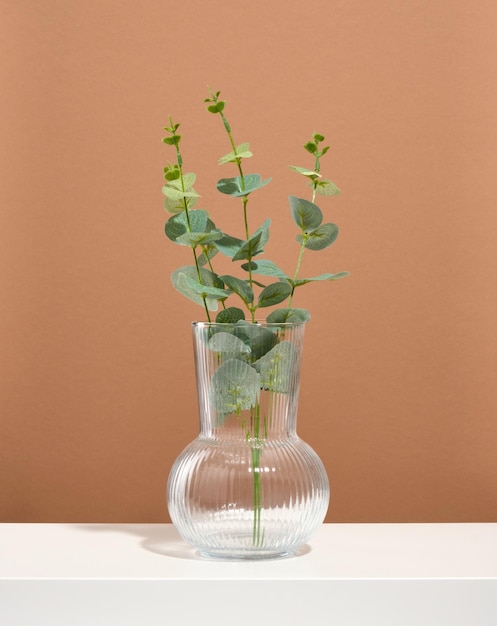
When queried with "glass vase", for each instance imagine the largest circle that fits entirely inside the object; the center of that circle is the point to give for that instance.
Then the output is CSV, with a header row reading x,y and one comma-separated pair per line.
x,y
247,487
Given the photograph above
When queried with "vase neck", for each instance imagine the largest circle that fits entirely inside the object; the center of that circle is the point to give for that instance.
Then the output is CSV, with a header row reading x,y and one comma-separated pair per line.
x,y
248,378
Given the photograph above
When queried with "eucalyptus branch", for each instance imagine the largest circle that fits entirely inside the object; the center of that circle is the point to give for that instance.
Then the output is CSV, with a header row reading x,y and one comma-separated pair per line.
x,y
308,216
176,173
217,107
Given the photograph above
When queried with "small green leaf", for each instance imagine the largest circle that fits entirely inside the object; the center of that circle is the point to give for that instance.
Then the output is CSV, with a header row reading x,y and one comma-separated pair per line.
x,y
278,367
259,338
317,137
172,141
264,268
240,287
208,252
177,225
320,238
231,315
175,228
242,152
172,173
235,188
172,192
227,342
196,239
255,244
305,171
198,220
181,278
325,187
311,147
188,181
274,294
235,386
216,108
229,245
287,316
304,281
305,214
205,291
178,205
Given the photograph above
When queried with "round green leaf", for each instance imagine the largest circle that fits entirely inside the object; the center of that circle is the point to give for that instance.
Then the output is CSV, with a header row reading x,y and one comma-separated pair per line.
x,y
240,287
320,238
208,252
231,315
177,225
274,294
278,367
235,386
325,188
264,268
178,205
228,245
185,280
287,316
195,239
227,342
259,338
205,291
173,193
255,244
242,152
234,187
189,180
305,214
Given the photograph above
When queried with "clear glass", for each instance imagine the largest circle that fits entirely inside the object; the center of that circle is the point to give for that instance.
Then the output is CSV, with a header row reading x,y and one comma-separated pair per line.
x,y
247,487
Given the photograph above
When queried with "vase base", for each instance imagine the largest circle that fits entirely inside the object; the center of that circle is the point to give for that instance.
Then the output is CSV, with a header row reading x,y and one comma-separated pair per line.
x,y
229,555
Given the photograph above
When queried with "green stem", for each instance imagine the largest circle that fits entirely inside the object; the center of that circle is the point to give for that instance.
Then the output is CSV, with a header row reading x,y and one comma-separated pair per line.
x,y
256,467
297,269
247,235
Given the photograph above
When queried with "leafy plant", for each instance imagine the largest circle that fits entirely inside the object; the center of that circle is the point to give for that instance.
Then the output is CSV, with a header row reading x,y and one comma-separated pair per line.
x,y
251,359
192,227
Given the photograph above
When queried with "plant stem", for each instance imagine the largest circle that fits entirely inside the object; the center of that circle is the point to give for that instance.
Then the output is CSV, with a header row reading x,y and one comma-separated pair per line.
x,y
256,531
297,269
256,467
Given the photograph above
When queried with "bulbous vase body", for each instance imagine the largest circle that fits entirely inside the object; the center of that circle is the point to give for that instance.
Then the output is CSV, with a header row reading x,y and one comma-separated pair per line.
x,y
247,487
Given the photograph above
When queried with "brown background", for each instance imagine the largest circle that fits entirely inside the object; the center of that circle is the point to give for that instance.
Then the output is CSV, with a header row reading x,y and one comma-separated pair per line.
x,y
97,390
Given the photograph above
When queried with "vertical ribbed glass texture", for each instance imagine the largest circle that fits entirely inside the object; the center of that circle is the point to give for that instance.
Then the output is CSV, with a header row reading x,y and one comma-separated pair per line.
x,y
247,487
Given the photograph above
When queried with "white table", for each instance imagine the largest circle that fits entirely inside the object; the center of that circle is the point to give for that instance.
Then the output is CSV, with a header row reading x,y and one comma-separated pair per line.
x,y
349,574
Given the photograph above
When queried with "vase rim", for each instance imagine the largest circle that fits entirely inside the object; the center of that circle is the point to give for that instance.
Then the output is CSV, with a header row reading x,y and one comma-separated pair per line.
x,y
202,324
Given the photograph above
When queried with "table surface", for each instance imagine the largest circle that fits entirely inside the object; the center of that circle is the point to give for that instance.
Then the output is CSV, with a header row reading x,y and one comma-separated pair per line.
x,y
336,552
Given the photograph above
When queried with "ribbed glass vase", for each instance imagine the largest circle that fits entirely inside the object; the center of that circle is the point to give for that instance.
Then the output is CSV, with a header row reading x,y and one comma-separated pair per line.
x,y
247,487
